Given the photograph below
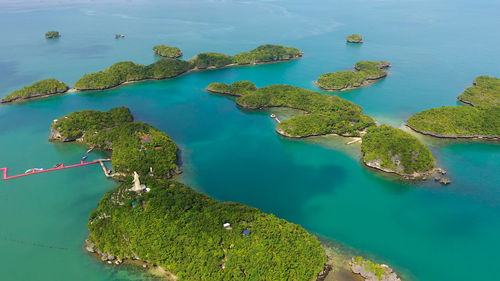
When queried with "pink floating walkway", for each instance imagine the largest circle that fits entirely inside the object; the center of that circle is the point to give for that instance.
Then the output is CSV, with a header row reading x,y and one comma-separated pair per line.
x,y
5,177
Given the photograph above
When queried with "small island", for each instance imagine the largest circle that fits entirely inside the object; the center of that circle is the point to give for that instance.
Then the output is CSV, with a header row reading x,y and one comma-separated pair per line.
x,y
325,114
371,271
480,119
365,73
40,89
123,72
484,92
354,38
167,52
163,223
52,34
395,151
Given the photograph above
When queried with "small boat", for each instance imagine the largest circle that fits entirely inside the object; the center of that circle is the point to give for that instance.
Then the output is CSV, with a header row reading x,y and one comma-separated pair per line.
x,y
90,150
272,116
29,171
85,157
58,165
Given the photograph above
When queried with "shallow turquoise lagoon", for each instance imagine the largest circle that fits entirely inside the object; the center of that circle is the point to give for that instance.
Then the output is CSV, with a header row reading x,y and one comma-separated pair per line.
x,y
425,231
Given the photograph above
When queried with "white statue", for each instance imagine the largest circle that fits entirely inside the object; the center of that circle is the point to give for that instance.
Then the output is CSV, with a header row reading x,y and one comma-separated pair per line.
x,y
137,187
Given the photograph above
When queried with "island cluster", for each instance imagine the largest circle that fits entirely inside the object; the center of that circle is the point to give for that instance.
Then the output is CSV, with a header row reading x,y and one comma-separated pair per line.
x,y
126,72
168,224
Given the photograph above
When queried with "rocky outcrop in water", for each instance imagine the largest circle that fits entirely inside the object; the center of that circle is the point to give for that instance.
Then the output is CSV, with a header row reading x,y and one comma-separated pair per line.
x,y
371,271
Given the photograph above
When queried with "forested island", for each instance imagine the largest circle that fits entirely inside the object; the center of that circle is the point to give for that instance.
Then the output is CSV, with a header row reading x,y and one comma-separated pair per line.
x,y
42,88
52,34
325,114
484,92
167,224
168,52
354,38
479,119
395,151
124,72
366,72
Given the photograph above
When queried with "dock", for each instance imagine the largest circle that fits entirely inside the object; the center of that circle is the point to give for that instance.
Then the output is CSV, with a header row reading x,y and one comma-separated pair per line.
x,y
81,164
273,116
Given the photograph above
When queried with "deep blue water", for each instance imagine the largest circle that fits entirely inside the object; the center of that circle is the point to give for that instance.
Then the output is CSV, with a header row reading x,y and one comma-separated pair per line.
x,y
425,231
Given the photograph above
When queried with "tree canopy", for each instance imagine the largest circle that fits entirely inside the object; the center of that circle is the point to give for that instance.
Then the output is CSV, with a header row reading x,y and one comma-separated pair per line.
x,y
392,149
365,72
325,114
168,52
38,89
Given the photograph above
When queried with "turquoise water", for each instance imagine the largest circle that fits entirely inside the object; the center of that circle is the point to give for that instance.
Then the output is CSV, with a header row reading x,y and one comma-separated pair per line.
x,y
425,231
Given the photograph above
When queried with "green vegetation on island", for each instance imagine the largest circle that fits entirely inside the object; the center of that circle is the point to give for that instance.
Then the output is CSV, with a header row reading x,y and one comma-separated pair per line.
x,y
458,122
365,72
134,146
168,224
395,151
485,92
124,72
41,88
354,38
52,34
482,120
182,231
235,89
267,53
168,52
211,60
325,114
372,271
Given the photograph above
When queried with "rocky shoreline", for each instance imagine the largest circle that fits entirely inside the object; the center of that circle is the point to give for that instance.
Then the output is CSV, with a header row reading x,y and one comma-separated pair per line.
x,y
416,175
34,97
365,83
116,261
372,272
485,137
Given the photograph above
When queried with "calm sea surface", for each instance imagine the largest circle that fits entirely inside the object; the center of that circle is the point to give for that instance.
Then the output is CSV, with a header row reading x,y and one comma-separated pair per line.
x,y
437,47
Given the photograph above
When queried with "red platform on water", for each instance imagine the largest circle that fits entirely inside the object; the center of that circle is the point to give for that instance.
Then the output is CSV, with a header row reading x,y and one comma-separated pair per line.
x,y
5,177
